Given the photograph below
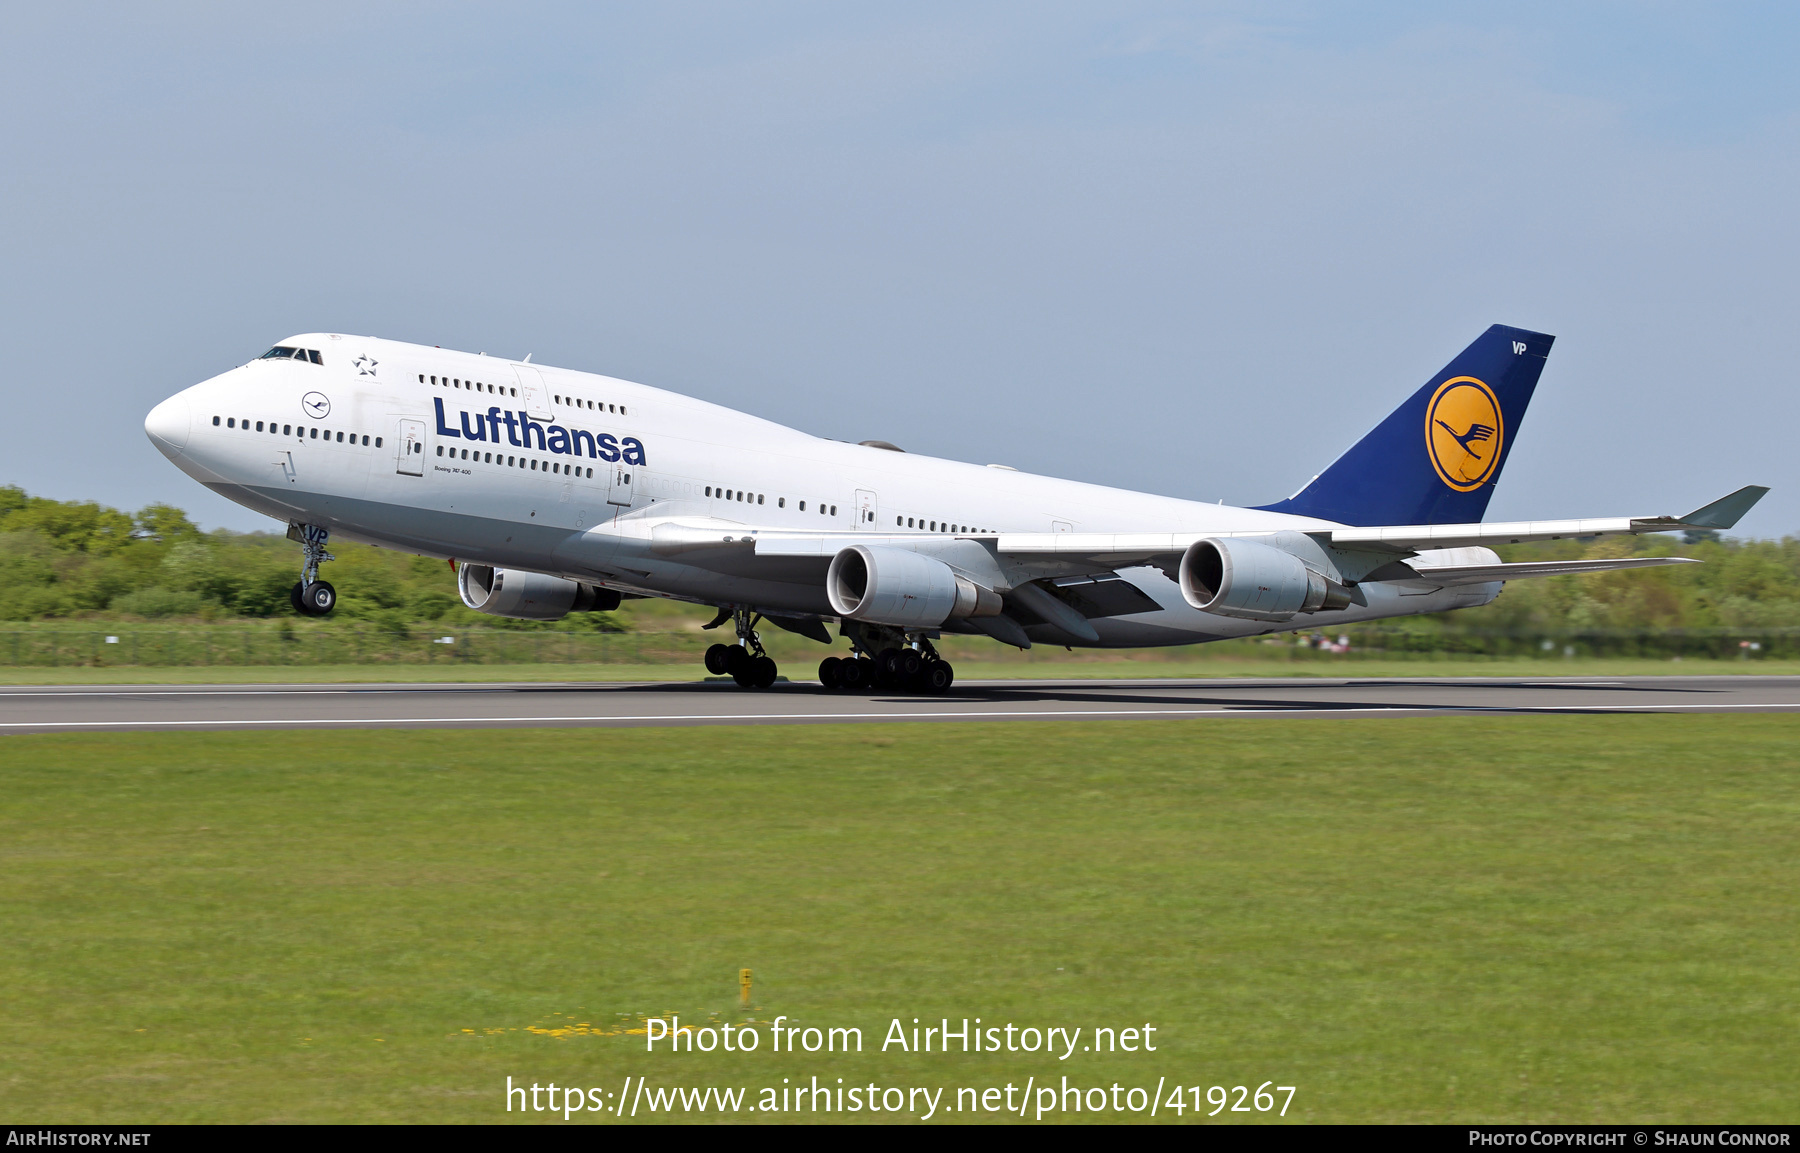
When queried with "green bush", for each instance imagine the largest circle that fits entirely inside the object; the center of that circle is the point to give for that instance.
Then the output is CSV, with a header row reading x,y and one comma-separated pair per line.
x,y
159,602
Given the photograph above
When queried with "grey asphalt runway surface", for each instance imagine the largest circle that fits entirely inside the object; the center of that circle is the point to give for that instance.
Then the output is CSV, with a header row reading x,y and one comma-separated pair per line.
x,y
240,708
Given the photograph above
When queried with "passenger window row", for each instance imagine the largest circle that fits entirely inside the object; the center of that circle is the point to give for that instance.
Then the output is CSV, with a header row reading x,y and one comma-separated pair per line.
x,y
470,385
757,498
506,390
577,402
303,355
531,462
302,431
935,525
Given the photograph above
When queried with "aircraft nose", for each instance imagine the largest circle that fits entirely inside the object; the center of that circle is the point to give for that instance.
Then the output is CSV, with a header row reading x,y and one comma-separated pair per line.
x,y
169,424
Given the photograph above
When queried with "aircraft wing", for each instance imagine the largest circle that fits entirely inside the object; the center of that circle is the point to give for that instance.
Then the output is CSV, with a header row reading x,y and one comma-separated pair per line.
x,y
1070,551
1009,561
1720,514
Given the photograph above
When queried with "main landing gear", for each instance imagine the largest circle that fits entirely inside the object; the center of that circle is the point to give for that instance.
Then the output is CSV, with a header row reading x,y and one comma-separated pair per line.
x,y
913,667
311,596
883,659
744,662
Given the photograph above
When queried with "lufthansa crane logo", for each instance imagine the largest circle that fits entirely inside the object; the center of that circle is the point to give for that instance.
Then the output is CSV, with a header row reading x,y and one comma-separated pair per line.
x,y
1464,432
315,405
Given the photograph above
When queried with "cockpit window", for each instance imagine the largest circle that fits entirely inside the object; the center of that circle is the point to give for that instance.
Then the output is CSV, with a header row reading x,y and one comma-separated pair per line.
x,y
283,352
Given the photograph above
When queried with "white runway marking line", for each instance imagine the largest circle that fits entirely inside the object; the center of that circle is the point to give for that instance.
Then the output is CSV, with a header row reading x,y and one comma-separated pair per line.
x,y
1222,710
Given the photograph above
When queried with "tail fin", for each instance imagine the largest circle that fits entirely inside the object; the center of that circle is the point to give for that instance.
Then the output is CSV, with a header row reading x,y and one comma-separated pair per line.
x,y
1436,458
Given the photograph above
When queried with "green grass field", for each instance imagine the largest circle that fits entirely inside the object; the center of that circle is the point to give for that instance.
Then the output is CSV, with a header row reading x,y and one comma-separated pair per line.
x,y
807,669
1567,918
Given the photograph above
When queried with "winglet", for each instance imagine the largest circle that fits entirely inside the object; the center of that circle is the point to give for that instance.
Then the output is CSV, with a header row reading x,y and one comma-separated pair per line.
x,y
1726,511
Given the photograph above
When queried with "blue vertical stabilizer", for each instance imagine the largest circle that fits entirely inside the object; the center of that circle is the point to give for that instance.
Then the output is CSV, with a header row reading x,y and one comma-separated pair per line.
x,y
1436,458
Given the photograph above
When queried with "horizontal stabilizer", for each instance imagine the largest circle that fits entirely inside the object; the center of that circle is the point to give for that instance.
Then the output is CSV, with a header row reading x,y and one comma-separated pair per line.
x,y
1727,511
1471,574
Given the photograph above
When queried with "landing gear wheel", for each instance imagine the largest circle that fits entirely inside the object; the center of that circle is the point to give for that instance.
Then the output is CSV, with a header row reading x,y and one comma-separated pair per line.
x,y
318,598
907,663
828,673
936,678
738,663
717,662
852,674
312,597
754,672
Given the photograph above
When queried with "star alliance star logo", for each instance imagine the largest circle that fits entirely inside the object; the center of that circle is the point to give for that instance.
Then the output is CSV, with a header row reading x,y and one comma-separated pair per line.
x,y
364,365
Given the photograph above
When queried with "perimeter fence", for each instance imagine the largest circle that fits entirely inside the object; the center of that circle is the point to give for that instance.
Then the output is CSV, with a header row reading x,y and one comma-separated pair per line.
x,y
1649,644
325,643
205,645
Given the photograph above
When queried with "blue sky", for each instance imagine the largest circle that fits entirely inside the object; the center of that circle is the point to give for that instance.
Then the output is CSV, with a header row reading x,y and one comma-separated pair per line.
x,y
1195,249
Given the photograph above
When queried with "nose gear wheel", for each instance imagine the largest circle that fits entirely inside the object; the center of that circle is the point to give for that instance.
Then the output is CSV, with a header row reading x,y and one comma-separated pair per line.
x,y
311,596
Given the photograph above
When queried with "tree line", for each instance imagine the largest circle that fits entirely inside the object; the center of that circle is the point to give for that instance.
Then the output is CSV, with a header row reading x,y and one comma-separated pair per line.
x,y
82,560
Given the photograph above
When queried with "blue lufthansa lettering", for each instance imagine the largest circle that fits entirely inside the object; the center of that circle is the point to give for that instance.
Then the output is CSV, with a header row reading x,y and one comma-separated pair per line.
x,y
555,438
444,429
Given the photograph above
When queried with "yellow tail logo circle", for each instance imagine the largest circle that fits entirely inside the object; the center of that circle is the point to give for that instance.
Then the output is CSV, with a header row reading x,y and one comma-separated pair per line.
x,y
1464,432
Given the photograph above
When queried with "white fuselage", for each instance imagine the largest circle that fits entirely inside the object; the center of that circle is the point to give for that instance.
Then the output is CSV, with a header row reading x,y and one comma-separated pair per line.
x,y
434,452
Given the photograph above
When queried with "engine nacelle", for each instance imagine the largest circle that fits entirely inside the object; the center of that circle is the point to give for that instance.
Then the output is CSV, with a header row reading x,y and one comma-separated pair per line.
x,y
528,596
1240,578
891,586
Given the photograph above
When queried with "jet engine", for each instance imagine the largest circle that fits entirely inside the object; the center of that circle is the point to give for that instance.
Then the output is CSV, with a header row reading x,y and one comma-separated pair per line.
x,y
528,596
1254,582
891,586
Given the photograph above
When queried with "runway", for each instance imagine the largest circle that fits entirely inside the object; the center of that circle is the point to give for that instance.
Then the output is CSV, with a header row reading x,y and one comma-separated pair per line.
x,y
227,708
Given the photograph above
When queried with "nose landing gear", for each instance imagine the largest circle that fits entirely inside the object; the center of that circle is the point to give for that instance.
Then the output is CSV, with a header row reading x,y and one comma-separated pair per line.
x,y
745,662
311,596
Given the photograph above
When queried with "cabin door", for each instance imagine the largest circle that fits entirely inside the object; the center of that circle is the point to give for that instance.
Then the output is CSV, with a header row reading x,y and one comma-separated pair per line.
x,y
532,393
866,513
623,480
409,448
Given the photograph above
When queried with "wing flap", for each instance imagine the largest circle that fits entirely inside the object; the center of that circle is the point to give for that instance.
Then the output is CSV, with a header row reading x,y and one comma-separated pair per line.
x,y
1469,574
1416,537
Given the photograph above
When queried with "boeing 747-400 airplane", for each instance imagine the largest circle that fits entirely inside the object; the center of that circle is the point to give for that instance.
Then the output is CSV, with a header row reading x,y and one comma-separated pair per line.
x,y
554,491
